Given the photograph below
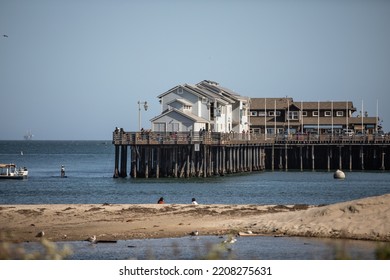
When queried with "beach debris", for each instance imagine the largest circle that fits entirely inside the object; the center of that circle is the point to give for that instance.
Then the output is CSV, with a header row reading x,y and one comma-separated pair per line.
x,y
107,241
91,239
40,234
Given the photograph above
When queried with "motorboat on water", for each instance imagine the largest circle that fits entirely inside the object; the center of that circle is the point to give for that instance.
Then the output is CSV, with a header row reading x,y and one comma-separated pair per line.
x,y
10,171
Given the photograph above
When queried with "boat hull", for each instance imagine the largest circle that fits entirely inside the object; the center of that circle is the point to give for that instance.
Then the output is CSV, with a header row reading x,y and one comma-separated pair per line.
x,y
12,177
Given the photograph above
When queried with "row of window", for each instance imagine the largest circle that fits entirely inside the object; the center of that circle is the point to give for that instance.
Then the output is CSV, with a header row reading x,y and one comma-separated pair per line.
x,y
294,114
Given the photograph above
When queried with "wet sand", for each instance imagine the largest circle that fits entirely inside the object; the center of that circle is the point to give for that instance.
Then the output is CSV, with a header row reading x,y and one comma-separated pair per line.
x,y
364,219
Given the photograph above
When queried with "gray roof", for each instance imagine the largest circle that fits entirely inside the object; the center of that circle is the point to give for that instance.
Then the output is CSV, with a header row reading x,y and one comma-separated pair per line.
x,y
326,105
210,90
283,102
261,103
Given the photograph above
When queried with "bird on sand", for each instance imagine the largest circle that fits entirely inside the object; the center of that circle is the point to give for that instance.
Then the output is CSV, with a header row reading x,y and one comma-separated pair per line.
x,y
194,233
91,239
40,234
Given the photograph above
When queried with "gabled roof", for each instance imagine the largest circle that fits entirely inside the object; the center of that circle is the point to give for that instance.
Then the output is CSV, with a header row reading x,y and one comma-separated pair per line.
x,y
182,101
200,92
211,95
168,91
215,88
188,115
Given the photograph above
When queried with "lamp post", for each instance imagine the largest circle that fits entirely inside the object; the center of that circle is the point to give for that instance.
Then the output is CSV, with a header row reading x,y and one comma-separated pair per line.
x,y
145,104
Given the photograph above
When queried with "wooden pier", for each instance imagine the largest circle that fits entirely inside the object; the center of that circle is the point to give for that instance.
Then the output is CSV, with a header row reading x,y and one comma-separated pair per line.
x,y
205,154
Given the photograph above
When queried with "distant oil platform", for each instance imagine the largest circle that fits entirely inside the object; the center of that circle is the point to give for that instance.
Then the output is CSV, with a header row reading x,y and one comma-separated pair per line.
x,y
28,135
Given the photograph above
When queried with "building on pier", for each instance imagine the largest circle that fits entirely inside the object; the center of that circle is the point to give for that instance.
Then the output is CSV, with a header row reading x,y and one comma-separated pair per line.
x,y
206,130
284,115
205,106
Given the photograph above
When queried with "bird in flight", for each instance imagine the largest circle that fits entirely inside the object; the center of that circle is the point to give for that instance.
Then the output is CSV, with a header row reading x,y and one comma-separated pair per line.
x,y
5,35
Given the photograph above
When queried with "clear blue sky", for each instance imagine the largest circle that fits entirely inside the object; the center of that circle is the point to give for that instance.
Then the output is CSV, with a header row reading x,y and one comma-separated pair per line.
x,y
75,69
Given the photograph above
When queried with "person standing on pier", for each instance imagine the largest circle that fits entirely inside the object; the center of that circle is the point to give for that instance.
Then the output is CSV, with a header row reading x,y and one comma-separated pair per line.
x,y
161,201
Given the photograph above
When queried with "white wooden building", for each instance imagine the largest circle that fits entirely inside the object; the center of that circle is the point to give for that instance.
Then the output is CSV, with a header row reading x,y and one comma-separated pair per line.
x,y
204,106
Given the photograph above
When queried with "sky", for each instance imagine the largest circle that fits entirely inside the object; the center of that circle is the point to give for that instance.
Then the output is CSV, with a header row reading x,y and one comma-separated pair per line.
x,y
76,69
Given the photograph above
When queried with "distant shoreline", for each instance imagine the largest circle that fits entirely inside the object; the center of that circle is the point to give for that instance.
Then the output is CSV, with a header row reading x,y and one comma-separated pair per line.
x,y
363,219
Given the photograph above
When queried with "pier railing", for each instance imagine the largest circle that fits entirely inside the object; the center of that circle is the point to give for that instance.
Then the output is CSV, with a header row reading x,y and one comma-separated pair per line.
x,y
121,137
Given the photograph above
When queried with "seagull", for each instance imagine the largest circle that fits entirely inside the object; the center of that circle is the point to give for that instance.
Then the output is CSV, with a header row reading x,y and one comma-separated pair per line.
x,y
91,239
40,234
194,233
5,35
230,240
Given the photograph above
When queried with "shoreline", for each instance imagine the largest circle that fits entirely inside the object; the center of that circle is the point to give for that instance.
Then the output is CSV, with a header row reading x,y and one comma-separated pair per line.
x,y
362,219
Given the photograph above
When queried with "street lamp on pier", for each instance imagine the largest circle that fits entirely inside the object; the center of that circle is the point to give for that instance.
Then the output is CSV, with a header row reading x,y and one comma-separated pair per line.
x,y
145,104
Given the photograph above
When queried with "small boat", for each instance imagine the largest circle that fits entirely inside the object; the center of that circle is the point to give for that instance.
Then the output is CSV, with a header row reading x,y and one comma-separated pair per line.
x,y
10,171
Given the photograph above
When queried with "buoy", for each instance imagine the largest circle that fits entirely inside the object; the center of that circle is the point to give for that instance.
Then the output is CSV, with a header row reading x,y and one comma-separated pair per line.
x,y
339,174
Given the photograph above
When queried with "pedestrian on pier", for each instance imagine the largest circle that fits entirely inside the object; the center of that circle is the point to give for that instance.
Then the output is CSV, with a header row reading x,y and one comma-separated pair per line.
x,y
161,201
194,201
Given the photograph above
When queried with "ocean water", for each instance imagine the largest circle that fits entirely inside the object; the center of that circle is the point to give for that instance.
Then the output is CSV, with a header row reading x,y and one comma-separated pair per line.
x,y
89,168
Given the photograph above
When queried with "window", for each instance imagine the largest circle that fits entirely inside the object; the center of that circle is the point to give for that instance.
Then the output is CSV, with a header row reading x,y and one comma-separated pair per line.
x,y
304,113
262,114
253,113
340,113
293,115
315,113
328,113
159,127
173,127
272,113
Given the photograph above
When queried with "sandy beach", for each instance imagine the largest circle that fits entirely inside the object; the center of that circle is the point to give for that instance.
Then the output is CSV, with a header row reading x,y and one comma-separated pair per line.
x,y
364,219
